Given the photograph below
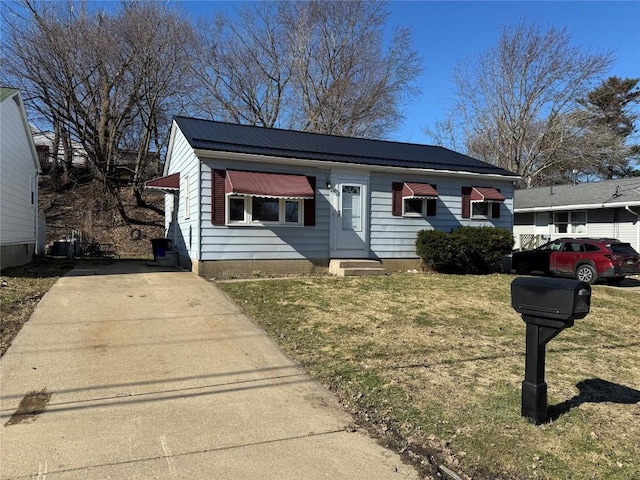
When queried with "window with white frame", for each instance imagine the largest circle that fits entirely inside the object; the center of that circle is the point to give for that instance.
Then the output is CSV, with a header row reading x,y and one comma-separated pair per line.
x,y
187,198
480,209
481,202
419,207
250,210
570,222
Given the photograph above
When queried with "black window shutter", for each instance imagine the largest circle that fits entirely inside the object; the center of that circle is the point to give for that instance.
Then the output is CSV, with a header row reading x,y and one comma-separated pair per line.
x,y
431,204
495,208
217,197
466,202
431,207
310,205
396,199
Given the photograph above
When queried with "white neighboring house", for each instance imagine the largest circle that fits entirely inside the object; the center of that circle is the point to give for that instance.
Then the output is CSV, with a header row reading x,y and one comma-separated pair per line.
x,y
608,209
19,168
44,148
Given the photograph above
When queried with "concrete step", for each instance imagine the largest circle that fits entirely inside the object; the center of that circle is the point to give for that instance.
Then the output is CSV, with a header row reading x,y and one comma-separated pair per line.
x,y
353,268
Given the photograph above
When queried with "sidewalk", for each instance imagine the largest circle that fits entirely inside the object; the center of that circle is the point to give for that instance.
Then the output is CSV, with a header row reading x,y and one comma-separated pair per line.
x,y
139,373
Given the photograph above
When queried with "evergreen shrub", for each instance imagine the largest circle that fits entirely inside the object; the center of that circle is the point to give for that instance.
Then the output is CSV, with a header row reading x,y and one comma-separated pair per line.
x,y
466,250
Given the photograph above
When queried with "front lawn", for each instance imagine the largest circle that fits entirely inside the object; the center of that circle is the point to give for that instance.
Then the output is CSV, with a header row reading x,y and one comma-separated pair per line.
x,y
432,364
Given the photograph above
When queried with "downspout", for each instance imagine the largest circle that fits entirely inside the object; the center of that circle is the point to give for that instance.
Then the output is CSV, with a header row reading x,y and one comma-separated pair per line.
x,y
628,209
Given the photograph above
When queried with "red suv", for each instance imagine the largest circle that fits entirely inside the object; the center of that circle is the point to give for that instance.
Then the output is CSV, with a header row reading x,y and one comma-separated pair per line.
x,y
587,259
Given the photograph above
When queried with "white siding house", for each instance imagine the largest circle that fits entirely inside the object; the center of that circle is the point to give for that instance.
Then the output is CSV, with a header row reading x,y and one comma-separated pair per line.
x,y
608,209
19,168
46,150
241,199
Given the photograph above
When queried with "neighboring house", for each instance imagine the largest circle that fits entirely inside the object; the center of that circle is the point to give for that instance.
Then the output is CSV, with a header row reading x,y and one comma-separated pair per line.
x,y
46,152
245,199
608,209
19,170
124,161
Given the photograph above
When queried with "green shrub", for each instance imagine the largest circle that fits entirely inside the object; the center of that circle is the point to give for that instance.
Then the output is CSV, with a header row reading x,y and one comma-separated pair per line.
x,y
476,250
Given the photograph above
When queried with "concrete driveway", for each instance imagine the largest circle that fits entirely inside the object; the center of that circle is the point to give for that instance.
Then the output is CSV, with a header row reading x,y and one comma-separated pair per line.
x,y
129,372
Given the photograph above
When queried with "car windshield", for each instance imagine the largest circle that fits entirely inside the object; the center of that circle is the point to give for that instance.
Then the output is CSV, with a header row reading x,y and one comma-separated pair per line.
x,y
622,249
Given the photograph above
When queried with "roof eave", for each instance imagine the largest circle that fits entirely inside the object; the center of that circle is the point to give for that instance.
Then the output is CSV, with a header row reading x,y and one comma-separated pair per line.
x,y
591,206
216,154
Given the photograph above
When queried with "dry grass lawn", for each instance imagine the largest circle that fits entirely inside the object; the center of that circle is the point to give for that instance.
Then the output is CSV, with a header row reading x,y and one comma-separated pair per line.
x,y
21,290
433,364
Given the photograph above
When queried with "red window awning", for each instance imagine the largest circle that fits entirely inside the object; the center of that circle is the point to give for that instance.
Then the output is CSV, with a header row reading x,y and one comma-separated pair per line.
x,y
272,185
418,190
167,183
484,194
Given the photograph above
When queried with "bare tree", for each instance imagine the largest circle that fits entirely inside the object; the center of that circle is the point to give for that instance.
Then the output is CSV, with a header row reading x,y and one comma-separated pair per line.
x,y
513,103
346,82
244,67
313,66
101,78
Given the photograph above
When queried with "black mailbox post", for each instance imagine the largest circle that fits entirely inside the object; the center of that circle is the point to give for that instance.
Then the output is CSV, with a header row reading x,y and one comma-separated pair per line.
x,y
548,306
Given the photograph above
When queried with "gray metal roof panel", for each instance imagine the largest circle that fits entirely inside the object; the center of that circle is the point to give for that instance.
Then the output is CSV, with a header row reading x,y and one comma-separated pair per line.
x,y
227,137
624,190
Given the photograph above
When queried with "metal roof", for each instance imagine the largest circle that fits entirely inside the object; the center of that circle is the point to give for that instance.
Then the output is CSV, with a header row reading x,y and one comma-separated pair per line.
x,y
418,190
227,137
609,193
166,183
267,185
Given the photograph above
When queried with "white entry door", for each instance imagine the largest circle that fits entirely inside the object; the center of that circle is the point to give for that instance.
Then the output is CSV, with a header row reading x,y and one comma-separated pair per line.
x,y
351,216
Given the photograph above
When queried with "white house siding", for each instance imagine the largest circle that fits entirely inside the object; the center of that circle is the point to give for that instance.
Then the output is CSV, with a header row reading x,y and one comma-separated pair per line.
x,y
613,223
629,227
18,186
395,237
601,223
185,234
270,242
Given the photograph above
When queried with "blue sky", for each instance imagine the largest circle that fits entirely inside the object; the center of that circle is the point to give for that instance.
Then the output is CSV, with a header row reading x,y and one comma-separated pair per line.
x,y
447,32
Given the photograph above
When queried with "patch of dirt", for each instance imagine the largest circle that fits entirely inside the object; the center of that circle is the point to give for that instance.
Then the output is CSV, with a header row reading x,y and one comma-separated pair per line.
x,y
87,208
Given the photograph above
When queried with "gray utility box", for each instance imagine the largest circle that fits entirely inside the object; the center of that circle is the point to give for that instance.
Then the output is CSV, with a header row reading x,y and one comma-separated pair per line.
x,y
552,298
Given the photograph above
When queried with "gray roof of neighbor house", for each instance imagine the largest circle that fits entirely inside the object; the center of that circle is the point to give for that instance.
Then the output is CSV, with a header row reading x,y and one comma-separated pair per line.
x,y
606,194
227,137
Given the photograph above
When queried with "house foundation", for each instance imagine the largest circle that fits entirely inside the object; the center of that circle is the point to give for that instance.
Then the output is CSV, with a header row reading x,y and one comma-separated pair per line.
x,y
251,268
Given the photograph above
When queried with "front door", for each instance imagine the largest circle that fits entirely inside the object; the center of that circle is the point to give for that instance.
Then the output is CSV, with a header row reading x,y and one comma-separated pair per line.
x,y
350,217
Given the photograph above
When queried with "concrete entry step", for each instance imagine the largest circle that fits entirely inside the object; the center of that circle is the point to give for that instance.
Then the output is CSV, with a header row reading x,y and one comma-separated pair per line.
x,y
355,268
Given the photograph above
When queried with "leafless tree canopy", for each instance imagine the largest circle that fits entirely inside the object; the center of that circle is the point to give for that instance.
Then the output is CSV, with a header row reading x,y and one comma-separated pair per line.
x,y
314,66
514,103
107,80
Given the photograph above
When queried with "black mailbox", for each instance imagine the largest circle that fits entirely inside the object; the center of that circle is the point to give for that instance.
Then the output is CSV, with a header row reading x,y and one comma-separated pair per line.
x,y
548,306
552,298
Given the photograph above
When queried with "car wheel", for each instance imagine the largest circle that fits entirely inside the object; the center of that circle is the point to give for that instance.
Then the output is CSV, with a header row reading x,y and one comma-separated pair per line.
x,y
586,273
522,268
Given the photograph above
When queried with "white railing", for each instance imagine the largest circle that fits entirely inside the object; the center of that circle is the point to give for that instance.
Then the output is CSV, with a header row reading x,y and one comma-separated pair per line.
x,y
529,241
